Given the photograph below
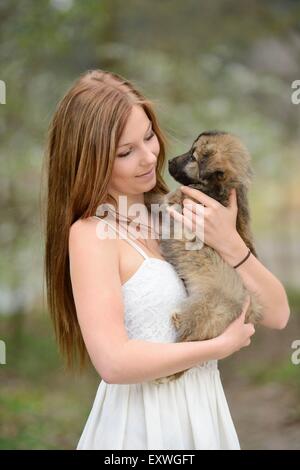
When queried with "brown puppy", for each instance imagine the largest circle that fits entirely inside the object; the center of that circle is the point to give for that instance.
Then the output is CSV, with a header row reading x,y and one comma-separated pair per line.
x,y
216,162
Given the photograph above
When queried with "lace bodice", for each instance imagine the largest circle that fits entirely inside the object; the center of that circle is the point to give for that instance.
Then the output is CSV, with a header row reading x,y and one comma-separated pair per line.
x,y
150,297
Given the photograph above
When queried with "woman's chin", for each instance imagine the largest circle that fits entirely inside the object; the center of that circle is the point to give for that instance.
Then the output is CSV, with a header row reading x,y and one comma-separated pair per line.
x,y
150,185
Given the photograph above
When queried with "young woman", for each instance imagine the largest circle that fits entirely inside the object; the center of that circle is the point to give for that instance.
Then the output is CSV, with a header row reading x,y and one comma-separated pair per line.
x,y
111,297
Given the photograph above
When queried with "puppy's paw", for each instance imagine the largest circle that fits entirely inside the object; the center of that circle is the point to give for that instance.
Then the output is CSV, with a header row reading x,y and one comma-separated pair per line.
x,y
176,319
183,327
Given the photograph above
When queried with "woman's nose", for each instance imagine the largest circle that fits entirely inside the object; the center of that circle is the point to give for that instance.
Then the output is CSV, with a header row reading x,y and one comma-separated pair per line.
x,y
148,155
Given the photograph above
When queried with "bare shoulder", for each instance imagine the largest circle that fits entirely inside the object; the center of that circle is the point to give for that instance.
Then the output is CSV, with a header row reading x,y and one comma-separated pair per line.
x,y
92,255
88,232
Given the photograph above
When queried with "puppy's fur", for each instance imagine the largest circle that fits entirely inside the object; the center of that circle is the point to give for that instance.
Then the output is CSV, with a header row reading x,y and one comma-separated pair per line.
x,y
216,162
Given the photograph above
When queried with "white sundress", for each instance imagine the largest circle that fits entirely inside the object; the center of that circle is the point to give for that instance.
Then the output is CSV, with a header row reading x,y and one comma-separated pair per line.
x,y
188,413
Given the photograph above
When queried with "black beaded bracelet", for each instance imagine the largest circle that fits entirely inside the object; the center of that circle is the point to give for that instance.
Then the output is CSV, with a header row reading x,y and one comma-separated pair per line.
x,y
243,260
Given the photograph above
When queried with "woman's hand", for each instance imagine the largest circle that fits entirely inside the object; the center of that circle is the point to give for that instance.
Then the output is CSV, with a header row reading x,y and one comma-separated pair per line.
x,y
213,223
237,334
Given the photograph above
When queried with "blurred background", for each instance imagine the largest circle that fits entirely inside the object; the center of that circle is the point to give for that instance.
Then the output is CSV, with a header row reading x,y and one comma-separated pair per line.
x,y
207,65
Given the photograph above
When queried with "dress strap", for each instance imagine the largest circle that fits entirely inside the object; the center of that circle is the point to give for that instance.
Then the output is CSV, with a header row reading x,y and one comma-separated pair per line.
x,y
131,242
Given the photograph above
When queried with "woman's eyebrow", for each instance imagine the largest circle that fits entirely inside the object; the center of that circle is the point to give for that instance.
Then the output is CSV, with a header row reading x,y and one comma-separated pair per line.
x,y
129,143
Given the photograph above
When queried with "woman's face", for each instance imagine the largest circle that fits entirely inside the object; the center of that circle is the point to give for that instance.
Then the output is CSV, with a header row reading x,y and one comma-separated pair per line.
x,y
136,154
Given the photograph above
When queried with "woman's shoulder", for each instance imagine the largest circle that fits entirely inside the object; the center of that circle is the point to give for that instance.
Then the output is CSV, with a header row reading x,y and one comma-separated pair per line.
x,y
82,227
85,232
88,253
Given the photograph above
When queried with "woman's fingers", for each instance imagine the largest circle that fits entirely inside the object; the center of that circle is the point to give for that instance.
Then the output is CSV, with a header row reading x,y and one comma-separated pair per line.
x,y
193,221
246,302
245,308
185,219
199,196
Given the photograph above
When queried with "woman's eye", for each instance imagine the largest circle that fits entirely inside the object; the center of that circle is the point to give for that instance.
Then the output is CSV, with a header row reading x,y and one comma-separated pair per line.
x,y
150,137
125,154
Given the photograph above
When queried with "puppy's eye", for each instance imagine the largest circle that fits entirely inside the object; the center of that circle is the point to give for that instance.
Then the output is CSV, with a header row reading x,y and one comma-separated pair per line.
x,y
192,158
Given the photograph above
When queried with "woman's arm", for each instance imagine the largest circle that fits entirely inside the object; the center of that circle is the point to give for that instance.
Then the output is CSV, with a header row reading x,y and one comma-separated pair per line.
x,y
139,361
258,279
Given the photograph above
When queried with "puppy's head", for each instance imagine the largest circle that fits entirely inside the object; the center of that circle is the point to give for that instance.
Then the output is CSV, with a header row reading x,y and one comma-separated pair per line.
x,y
216,162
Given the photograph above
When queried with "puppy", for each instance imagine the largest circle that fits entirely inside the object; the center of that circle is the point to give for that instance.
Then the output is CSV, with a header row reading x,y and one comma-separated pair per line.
x,y
216,162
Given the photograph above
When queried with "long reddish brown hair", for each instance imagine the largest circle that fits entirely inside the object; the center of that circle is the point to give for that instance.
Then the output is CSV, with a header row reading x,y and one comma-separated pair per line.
x,y
80,150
